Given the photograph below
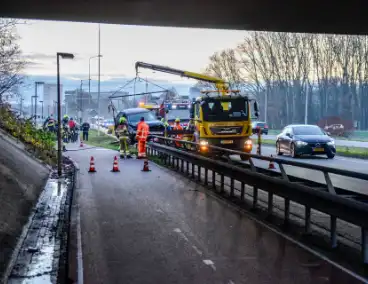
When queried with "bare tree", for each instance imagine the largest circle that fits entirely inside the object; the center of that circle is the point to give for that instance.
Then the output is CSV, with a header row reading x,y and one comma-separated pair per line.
x,y
11,63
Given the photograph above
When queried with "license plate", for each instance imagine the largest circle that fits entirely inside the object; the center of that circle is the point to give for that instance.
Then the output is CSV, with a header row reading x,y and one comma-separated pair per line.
x,y
318,149
226,141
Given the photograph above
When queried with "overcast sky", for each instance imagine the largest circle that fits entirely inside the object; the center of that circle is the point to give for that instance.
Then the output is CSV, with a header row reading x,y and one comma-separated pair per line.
x,y
121,47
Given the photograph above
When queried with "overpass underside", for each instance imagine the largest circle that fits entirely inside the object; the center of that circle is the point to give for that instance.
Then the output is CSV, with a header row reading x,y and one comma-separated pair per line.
x,y
294,16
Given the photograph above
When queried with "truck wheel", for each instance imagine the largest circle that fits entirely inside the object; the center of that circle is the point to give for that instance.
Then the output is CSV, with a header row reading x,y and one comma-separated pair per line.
x,y
244,157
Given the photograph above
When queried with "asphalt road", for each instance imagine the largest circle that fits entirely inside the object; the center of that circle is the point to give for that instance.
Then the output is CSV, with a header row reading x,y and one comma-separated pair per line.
x,y
343,143
156,227
351,164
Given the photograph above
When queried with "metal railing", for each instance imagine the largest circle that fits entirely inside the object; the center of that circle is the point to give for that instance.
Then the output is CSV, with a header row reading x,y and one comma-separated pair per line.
x,y
325,200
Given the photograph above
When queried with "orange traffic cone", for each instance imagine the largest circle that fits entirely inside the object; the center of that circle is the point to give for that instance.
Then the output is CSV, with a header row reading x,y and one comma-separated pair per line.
x,y
271,166
145,166
92,165
81,143
115,166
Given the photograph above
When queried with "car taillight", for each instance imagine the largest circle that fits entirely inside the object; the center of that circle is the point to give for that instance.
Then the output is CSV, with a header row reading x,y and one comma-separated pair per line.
x,y
266,126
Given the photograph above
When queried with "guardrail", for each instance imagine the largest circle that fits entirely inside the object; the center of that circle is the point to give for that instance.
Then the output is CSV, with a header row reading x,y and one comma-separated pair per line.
x,y
323,200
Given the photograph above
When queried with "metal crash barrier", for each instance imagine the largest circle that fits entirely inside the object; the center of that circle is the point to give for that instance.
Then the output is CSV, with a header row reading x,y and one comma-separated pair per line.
x,y
327,199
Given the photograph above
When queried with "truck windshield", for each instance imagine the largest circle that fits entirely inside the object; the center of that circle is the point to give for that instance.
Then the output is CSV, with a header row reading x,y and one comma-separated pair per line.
x,y
135,118
225,109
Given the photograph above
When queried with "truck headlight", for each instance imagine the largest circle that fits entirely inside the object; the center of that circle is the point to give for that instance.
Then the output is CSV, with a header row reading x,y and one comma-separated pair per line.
x,y
248,144
301,143
203,145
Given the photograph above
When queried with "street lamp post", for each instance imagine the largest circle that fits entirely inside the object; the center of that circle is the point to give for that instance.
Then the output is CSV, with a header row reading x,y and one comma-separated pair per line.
x,y
99,77
89,76
35,96
41,109
64,56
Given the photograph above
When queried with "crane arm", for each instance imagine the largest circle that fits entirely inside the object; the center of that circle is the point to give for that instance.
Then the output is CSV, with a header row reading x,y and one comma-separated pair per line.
x,y
220,83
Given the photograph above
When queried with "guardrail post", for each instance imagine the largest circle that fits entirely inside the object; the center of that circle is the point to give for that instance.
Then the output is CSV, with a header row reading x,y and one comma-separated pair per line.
x,y
330,186
242,192
199,173
365,245
182,166
333,232
177,164
286,211
232,187
205,176
193,170
270,204
307,219
213,179
187,168
255,197
222,183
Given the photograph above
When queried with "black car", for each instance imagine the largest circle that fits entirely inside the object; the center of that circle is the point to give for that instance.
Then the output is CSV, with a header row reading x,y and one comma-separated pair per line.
x,y
133,116
257,125
305,139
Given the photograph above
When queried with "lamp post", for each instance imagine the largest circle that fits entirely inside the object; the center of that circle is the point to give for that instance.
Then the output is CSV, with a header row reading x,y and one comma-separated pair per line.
x,y
99,77
35,96
89,76
63,56
41,109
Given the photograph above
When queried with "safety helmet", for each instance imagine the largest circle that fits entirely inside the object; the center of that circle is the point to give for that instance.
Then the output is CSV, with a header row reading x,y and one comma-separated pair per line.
x,y
177,119
122,119
71,118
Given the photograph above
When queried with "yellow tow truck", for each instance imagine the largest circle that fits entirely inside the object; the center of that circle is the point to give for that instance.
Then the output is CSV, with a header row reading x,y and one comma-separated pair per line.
x,y
221,118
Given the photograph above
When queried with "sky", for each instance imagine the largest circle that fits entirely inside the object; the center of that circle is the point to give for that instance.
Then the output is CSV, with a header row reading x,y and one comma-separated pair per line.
x,y
121,46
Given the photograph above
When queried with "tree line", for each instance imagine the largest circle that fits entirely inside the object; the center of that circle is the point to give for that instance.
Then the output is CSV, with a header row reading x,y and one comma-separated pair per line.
x,y
297,74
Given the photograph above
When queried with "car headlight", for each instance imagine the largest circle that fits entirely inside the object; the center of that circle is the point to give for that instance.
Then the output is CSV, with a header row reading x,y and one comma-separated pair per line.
x,y
301,143
331,143
174,106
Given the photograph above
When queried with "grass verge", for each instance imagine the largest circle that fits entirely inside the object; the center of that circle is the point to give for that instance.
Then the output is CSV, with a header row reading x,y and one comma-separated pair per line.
x,y
352,152
105,141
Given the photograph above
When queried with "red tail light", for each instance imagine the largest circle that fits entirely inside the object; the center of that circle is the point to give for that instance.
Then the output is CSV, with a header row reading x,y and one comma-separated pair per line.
x,y
266,126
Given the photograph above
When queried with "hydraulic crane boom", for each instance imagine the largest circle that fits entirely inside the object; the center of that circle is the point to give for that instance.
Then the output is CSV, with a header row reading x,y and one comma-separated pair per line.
x,y
220,84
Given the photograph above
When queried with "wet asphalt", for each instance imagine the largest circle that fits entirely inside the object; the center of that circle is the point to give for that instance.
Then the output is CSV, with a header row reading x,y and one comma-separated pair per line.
x,y
158,227
351,164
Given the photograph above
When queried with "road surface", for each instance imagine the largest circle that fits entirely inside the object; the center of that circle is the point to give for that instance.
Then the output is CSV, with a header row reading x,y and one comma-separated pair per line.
x,y
343,143
156,227
352,184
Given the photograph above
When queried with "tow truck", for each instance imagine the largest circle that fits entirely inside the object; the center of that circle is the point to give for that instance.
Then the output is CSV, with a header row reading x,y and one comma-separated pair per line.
x,y
220,118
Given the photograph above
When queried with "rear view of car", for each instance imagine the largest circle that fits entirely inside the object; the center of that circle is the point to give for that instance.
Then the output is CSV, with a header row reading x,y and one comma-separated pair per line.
x,y
257,125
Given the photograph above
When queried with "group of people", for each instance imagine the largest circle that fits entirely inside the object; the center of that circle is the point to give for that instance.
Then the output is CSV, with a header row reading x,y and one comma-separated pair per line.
x,y
141,136
69,130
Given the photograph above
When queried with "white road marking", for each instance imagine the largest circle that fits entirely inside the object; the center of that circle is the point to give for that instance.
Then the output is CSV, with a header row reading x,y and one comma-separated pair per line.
x,y
231,282
210,263
177,230
197,250
79,250
101,149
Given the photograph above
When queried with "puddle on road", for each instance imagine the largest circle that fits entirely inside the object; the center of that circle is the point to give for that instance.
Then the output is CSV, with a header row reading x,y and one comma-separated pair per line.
x,y
38,259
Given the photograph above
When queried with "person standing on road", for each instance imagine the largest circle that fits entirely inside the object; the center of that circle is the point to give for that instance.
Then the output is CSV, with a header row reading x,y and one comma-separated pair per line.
x,y
123,134
142,135
178,127
85,129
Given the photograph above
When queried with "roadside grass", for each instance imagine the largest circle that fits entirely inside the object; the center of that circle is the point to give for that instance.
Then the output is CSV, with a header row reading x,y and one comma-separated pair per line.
x,y
105,141
353,152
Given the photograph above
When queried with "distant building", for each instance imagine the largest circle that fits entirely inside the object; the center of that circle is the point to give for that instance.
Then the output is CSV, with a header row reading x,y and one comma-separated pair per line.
x,y
50,97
